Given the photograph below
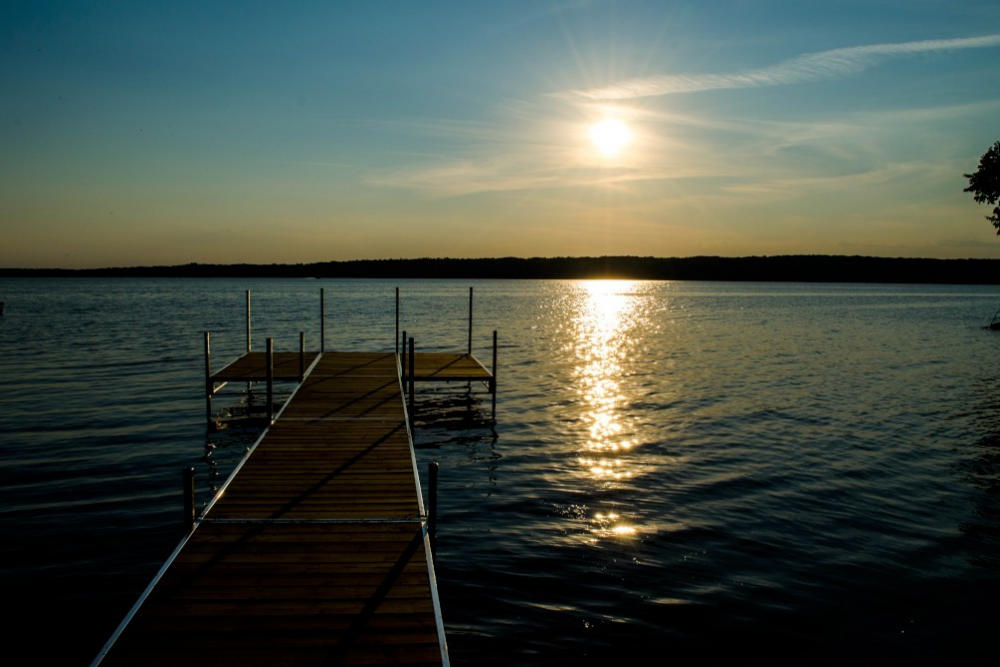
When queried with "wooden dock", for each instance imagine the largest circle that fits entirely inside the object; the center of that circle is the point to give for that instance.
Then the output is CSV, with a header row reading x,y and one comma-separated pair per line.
x,y
316,550
447,366
252,367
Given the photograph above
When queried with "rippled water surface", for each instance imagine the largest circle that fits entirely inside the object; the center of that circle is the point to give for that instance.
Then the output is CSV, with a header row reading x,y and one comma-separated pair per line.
x,y
796,472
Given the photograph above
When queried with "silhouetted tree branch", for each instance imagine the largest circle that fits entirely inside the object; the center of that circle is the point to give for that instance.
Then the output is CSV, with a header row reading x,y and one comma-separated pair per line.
x,y
984,184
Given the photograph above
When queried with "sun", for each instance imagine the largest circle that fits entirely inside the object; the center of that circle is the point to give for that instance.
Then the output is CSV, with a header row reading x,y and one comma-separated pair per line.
x,y
610,136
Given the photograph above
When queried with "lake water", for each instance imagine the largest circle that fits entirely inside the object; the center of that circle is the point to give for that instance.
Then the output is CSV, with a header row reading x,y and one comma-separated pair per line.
x,y
794,472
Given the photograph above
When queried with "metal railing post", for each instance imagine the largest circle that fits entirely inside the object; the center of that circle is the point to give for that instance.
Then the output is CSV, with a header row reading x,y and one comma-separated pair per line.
x,y
402,361
302,356
188,475
322,319
269,354
248,321
470,320
409,375
397,320
249,342
493,380
208,377
432,505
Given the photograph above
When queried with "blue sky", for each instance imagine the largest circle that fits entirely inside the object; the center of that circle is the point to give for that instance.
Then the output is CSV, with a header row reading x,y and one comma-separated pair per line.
x,y
296,132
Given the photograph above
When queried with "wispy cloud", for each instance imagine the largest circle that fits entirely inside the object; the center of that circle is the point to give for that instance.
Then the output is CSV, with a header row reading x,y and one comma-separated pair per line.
x,y
757,158
801,69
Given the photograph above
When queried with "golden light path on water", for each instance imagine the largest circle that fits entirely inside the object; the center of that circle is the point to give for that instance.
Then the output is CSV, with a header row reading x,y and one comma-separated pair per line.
x,y
608,313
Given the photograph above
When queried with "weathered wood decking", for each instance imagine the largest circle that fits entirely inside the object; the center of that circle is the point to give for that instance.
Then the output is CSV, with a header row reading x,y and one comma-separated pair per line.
x,y
315,551
428,367
447,366
253,366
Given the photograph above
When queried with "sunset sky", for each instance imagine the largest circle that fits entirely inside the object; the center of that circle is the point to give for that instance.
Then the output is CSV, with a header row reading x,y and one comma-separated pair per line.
x,y
152,133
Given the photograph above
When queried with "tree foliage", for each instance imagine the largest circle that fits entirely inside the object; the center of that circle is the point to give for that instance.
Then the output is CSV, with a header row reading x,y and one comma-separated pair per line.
x,y
984,183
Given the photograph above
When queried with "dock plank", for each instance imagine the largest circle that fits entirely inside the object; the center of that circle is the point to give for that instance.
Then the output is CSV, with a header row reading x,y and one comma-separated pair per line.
x,y
252,366
448,366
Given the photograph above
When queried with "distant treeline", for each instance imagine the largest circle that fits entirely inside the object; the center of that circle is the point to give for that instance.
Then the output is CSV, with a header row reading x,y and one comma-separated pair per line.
x,y
808,268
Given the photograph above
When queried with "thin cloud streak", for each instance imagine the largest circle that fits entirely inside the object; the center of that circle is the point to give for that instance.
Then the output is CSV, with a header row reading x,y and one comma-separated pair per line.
x,y
801,69
534,159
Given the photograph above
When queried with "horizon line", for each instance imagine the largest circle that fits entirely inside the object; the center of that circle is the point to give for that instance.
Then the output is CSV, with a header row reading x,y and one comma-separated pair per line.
x,y
546,258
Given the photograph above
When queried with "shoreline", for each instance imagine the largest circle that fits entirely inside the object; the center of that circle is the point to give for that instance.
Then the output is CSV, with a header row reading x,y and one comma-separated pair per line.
x,y
775,268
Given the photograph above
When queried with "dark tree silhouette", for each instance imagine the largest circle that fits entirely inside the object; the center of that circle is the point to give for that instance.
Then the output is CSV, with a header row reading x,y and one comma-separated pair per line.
x,y
984,184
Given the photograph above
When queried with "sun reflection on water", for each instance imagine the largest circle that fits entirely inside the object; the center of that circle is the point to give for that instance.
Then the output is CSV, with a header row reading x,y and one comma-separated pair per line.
x,y
607,315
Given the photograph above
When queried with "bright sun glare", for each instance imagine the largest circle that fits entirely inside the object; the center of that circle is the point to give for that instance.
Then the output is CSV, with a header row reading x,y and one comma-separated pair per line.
x,y
610,136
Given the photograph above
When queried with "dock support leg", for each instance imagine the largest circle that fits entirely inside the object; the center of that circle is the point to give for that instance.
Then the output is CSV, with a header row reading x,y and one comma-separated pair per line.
x,y
248,321
302,356
432,505
409,376
188,474
322,319
493,381
269,354
249,343
208,378
470,321
402,361
397,322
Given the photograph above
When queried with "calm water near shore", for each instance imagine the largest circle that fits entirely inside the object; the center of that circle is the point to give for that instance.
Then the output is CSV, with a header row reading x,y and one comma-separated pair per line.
x,y
791,471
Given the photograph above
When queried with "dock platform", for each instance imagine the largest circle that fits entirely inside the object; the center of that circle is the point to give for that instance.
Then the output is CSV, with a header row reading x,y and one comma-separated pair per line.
x,y
252,367
448,366
316,550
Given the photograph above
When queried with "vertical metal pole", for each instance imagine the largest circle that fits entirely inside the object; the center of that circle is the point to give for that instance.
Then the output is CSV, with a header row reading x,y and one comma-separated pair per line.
x,y
249,344
208,378
470,320
188,475
302,355
248,321
410,378
493,380
270,379
402,361
432,505
322,319
397,320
